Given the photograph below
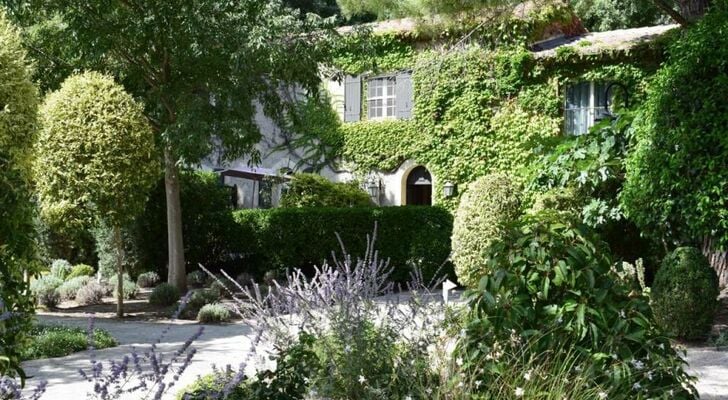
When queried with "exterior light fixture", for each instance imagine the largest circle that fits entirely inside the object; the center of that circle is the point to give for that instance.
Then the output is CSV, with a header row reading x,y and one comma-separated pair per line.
x,y
374,187
449,189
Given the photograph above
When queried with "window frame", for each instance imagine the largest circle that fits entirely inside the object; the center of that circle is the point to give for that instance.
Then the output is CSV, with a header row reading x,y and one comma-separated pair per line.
x,y
388,81
592,109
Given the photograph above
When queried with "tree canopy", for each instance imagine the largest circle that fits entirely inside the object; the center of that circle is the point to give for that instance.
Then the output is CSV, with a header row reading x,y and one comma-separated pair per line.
x,y
677,172
96,159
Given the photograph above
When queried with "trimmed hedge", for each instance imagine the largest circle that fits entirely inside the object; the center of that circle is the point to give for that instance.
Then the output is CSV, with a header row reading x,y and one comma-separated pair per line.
x,y
685,293
312,190
302,237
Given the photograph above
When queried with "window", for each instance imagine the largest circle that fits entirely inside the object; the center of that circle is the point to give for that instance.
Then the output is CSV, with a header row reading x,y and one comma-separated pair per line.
x,y
585,105
381,99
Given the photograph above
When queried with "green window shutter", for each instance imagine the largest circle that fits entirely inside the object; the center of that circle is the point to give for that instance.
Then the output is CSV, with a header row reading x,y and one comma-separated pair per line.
x,y
352,98
405,95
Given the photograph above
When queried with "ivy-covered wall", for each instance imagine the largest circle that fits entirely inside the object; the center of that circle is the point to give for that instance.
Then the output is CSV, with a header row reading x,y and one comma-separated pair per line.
x,y
477,109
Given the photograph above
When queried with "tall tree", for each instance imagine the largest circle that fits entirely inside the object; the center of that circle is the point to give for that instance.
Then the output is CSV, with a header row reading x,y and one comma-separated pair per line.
x,y
96,158
203,69
18,123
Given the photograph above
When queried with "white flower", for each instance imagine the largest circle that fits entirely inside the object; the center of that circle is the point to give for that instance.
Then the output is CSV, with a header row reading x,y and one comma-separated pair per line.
x,y
636,386
649,375
622,314
527,376
428,390
461,384
637,364
602,395
519,392
478,383
408,398
347,349
459,362
362,379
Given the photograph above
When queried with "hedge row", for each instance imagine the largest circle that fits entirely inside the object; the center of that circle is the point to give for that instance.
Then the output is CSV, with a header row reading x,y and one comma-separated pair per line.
x,y
303,237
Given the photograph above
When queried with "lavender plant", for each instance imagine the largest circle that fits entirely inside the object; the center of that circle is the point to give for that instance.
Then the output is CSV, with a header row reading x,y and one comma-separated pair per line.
x,y
373,338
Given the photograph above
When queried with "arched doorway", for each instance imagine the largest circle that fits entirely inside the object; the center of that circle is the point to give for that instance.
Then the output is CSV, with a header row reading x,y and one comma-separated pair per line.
x,y
419,187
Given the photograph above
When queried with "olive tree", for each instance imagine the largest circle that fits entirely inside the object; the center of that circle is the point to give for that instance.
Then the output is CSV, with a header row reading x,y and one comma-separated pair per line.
x,y
96,158
18,122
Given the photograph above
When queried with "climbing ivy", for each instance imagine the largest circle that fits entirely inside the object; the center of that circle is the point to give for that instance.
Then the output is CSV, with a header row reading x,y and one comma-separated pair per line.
x,y
478,109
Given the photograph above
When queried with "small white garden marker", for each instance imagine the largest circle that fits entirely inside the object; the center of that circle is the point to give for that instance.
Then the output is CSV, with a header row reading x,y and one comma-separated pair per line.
x,y
447,286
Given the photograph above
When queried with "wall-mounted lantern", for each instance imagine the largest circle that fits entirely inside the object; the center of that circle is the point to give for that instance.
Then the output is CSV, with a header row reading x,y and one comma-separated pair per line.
x,y
374,188
449,189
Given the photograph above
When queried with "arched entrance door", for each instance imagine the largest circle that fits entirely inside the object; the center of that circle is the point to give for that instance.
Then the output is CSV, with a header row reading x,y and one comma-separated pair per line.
x,y
419,187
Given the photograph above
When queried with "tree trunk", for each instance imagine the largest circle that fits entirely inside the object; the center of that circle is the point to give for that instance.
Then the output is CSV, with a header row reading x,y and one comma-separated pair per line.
x,y
119,272
693,9
176,261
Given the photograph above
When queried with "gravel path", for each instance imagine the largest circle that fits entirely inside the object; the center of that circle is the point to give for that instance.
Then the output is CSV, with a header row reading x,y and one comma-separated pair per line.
x,y
226,344
219,345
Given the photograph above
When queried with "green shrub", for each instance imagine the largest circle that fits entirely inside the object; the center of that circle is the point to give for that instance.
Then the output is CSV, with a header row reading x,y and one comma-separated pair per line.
x,y
675,188
45,290
48,297
107,252
148,279
164,295
92,293
312,190
213,314
50,341
69,288
488,205
555,286
130,289
81,270
198,299
60,269
685,293
18,127
283,238
207,223
197,279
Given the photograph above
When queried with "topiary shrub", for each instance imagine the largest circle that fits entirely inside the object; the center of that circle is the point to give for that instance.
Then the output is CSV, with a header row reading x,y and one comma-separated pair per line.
x,y
92,293
164,295
131,290
198,299
312,190
61,269
148,279
554,286
685,293
69,288
489,204
213,314
81,270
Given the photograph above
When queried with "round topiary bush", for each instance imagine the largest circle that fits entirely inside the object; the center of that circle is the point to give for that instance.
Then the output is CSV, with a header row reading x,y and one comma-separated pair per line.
x,y
685,293
81,270
488,205
70,287
164,295
148,279
92,293
61,269
213,314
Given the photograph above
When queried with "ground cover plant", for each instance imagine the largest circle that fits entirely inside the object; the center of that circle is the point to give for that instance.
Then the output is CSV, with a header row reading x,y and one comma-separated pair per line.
x,y
48,341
